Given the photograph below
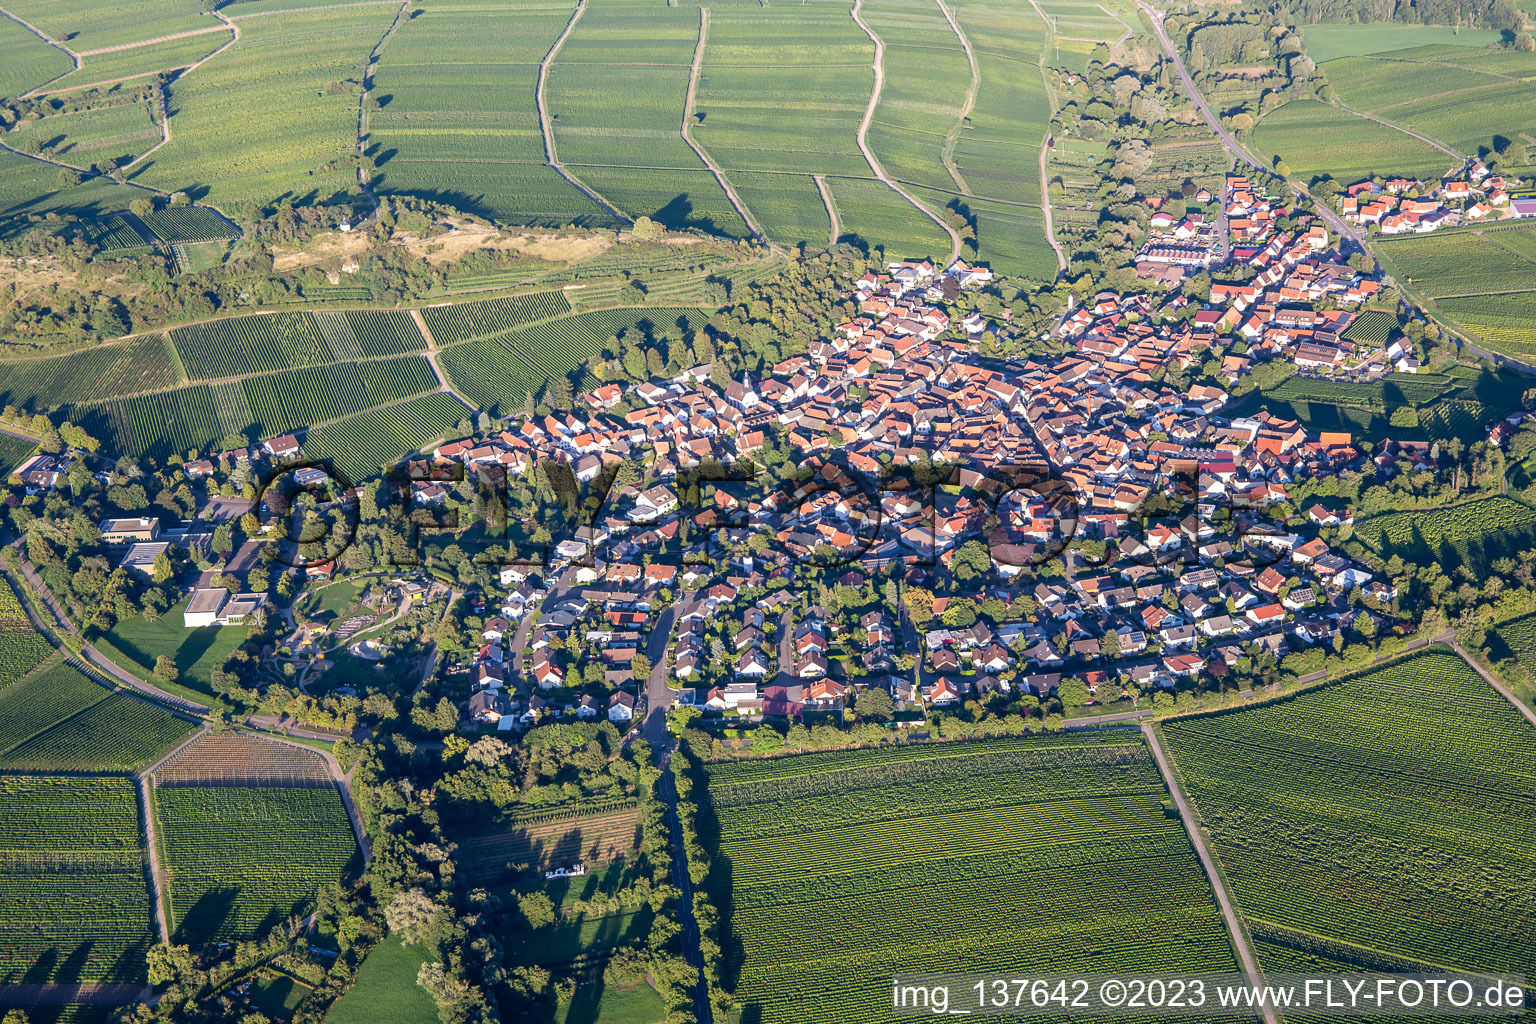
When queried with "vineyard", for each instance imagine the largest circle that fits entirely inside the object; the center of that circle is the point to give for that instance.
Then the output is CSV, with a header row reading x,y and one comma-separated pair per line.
x,y
188,224
250,344
22,648
1502,322
361,445
72,881
238,759
497,372
124,368
59,721
469,320
1374,327
157,425
1473,534
13,452
586,838
835,870
242,858
1394,812
296,399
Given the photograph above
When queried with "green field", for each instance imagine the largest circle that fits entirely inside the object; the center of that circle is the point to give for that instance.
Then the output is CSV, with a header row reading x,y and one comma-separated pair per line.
x,y
873,214
86,25
926,78
361,444
1458,95
30,192
57,720
1466,262
142,61
1318,140
197,652
1474,533
27,62
832,870
241,858
67,845
457,121
496,372
276,83
1329,42
119,132
1503,323
1392,815
385,991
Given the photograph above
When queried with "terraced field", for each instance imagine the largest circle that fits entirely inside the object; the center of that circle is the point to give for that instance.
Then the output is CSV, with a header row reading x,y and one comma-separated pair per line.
x,y
1391,813
835,870
240,859
66,844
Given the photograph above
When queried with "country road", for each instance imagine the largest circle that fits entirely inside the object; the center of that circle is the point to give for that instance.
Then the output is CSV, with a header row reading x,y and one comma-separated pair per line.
x,y
1192,825
863,138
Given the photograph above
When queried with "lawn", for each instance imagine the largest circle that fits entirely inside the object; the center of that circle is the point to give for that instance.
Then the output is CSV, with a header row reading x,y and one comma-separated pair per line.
x,y
1386,817
606,1004
277,996
385,991
197,652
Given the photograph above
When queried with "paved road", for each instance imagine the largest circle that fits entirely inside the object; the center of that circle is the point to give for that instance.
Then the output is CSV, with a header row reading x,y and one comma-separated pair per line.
x,y
863,137
1191,824
658,695
702,1011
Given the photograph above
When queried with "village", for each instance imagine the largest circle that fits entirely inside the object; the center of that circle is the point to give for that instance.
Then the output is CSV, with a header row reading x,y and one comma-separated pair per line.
x,y
818,589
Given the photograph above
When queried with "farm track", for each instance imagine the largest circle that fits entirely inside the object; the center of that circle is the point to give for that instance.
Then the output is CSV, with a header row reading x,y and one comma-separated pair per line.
x,y
1045,146
1235,928
151,42
431,354
863,135
1491,680
323,7
835,230
546,127
714,168
952,137
362,107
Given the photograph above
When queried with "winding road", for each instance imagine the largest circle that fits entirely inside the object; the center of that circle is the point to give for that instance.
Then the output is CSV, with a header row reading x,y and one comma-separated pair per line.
x,y
546,126
953,135
863,139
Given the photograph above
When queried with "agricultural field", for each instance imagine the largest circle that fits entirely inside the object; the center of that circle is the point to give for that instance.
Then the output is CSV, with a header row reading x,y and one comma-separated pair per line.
x,y
157,425
872,212
250,344
244,759
280,403
68,844
1317,140
927,77
1330,42
31,189
27,62
1474,533
143,61
1010,237
58,720
84,26
118,132
240,859
188,224
22,648
552,839
998,153
13,452
286,83
495,373
1460,96
457,120
468,320
786,206
360,445
1392,814
1454,263
1374,326
832,870
616,94
1503,323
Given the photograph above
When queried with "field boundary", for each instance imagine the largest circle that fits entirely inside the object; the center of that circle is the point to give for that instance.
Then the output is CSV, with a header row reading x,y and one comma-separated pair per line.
x,y
546,127
714,168
952,137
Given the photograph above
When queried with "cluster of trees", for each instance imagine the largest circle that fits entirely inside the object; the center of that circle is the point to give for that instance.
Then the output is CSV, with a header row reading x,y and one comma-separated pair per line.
x,y
1497,14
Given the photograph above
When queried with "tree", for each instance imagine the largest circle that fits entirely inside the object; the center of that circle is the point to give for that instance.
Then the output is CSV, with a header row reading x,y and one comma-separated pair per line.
x,y
875,705
646,228
163,568
141,207
169,964
1072,692
537,910
1524,43
165,669
410,914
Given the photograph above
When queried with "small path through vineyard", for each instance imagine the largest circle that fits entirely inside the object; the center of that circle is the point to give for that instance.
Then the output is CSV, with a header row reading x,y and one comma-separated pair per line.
x,y
1045,145
152,42
546,126
714,168
431,354
834,230
1491,679
863,137
1235,928
947,154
